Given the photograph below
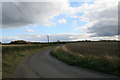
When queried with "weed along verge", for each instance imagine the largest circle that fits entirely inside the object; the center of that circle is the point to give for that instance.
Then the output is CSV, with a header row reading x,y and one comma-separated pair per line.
x,y
13,55
108,63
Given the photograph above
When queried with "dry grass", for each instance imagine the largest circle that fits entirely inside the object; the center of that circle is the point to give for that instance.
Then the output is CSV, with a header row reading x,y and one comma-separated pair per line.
x,y
19,45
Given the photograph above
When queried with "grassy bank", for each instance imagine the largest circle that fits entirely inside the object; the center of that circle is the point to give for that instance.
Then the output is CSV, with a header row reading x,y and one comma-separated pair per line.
x,y
99,56
12,55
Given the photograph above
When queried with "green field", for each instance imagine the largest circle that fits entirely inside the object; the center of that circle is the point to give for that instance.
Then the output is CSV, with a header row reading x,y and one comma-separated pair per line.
x,y
99,56
12,55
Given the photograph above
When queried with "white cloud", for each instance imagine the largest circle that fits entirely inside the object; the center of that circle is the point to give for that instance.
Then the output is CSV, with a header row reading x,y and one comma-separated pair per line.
x,y
102,17
55,37
29,30
75,21
19,14
62,21
35,25
35,0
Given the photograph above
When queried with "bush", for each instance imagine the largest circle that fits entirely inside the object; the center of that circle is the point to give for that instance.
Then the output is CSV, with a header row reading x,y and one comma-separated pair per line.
x,y
19,42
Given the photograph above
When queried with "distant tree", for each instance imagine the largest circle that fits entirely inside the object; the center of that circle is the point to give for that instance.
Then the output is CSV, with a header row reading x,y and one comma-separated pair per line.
x,y
58,41
19,42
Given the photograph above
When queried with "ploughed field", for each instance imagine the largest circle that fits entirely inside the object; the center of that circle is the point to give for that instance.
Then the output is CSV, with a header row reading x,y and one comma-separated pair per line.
x,y
99,56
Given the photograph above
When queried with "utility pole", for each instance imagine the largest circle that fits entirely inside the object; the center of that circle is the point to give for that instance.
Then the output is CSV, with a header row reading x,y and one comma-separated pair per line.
x,y
48,38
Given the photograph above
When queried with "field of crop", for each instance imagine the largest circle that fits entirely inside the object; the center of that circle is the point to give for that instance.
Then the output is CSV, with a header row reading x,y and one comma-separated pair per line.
x,y
12,55
99,56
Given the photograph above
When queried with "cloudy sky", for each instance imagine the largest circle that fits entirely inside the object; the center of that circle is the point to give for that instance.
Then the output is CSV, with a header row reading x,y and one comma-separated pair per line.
x,y
62,20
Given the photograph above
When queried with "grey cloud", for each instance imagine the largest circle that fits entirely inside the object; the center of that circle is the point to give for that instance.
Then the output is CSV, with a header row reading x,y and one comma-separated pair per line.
x,y
11,17
19,14
104,28
105,21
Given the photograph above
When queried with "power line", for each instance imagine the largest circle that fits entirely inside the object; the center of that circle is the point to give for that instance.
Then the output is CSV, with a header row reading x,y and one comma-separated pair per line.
x,y
28,19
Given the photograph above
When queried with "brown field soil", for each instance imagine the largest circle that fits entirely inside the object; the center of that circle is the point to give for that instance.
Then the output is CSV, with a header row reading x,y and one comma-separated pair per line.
x,y
100,49
99,56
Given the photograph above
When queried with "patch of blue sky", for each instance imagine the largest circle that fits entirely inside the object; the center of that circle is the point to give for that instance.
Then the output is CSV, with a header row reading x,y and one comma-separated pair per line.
x,y
12,31
68,27
81,0
76,4
58,28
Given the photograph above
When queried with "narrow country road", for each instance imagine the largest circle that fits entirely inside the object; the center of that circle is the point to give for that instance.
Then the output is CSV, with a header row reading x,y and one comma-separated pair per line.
x,y
43,65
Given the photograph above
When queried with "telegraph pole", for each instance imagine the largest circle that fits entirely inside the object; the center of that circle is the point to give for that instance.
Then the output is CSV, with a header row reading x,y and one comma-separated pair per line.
x,y
48,38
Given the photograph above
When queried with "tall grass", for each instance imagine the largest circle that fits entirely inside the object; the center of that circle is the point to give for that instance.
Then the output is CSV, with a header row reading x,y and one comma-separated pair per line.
x,y
12,55
99,56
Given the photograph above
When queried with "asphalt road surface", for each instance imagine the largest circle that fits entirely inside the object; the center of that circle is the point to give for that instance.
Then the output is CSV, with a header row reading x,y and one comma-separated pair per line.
x,y
43,65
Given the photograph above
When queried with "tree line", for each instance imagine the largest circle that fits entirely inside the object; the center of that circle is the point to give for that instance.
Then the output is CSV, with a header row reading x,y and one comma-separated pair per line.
x,y
57,42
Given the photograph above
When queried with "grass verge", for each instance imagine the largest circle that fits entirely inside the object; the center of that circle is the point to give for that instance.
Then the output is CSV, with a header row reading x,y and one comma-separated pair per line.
x,y
101,64
12,56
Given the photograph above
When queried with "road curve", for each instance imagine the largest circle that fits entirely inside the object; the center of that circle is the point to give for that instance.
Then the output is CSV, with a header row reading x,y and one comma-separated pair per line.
x,y
43,65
